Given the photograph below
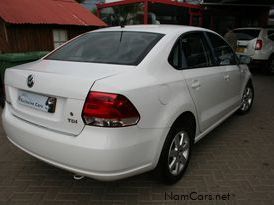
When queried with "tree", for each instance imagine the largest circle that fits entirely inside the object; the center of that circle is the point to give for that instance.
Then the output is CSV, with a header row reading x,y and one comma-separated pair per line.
x,y
94,11
80,1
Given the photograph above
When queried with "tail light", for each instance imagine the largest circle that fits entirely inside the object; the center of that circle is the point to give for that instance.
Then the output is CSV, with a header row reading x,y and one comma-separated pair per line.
x,y
259,45
109,110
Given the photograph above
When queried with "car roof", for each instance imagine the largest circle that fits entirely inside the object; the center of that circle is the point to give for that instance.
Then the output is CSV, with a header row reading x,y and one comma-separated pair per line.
x,y
164,29
249,28
254,28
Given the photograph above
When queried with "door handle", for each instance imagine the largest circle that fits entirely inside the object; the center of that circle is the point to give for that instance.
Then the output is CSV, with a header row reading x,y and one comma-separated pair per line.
x,y
195,84
227,77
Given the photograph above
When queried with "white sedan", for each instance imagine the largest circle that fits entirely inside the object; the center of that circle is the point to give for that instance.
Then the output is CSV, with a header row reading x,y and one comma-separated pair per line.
x,y
121,101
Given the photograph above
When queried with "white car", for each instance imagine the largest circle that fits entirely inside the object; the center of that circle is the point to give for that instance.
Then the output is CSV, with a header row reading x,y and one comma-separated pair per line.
x,y
258,43
117,102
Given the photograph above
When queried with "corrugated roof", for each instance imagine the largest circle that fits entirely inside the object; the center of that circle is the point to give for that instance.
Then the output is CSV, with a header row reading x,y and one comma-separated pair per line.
x,y
63,12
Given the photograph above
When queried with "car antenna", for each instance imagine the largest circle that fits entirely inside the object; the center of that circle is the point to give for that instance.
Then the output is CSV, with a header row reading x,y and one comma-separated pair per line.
x,y
122,24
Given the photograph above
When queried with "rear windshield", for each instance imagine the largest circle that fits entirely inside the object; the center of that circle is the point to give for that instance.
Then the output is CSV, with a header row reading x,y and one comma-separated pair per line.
x,y
114,47
247,34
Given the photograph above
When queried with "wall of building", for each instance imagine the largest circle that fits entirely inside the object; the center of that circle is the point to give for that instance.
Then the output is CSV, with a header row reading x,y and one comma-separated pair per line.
x,y
25,38
3,37
28,38
271,17
218,18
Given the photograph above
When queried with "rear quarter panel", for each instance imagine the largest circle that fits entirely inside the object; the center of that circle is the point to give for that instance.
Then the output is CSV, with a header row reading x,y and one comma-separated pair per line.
x,y
159,97
157,90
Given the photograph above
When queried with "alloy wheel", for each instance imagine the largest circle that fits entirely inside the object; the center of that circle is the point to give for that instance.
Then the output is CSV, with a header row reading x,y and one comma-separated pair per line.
x,y
178,153
247,99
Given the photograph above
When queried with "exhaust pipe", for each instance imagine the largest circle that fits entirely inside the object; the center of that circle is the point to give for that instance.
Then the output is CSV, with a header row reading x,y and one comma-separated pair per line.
x,y
78,177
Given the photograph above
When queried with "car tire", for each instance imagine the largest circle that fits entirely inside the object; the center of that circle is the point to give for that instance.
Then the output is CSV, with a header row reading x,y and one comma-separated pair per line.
x,y
175,154
2,94
270,65
247,99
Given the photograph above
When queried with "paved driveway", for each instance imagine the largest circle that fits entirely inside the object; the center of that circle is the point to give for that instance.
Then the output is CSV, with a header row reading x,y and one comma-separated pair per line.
x,y
236,159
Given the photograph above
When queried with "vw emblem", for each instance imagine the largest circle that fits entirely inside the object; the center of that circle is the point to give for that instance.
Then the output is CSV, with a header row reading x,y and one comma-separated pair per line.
x,y
30,81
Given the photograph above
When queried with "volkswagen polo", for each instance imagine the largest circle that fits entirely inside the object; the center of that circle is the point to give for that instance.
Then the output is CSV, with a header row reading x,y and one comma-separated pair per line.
x,y
121,101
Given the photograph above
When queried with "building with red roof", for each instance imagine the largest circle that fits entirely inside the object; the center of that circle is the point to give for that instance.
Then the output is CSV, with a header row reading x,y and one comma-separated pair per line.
x,y
31,25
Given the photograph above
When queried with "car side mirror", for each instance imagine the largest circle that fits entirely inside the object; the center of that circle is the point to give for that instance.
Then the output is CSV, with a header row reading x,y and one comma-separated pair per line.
x,y
244,59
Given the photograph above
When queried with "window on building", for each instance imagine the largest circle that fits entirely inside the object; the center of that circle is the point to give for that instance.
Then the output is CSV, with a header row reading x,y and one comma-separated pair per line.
x,y
60,36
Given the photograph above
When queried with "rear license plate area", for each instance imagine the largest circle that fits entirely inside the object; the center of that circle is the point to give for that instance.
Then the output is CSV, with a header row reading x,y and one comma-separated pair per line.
x,y
36,101
240,50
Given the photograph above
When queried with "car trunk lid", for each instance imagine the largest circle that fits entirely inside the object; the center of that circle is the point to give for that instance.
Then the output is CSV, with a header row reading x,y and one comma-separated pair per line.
x,y
246,47
67,83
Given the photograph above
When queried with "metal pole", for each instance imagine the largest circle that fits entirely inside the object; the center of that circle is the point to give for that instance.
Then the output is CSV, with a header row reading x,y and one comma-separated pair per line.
x,y
146,12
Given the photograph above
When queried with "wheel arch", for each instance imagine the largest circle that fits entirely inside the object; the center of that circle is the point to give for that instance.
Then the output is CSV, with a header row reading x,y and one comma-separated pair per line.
x,y
185,118
271,56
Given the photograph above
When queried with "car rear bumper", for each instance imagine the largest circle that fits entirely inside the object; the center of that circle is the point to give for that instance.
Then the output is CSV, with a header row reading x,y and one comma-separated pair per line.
x,y
256,56
260,64
99,153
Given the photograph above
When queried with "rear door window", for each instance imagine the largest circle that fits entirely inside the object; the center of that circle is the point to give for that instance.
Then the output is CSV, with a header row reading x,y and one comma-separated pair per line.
x,y
224,54
246,34
195,50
